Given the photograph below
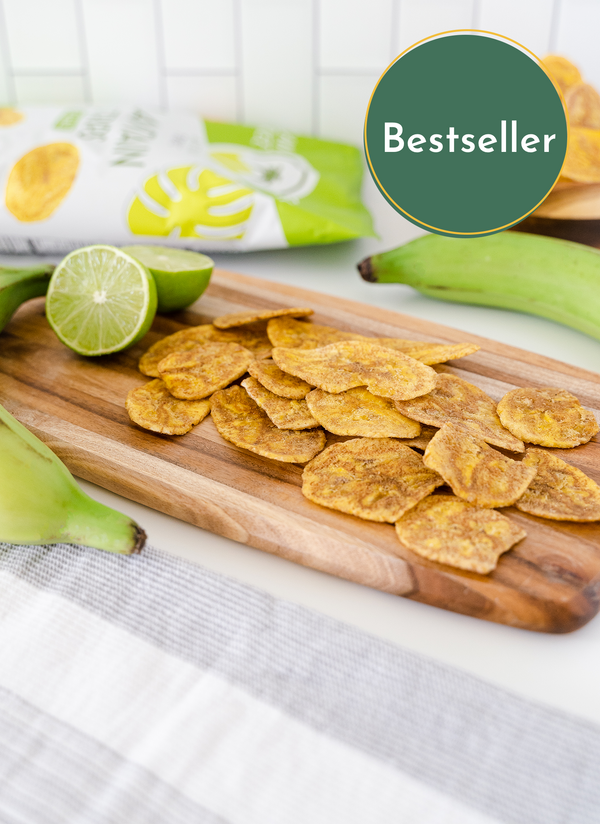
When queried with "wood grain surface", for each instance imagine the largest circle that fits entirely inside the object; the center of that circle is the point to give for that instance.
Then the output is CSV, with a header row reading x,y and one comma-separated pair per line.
x,y
550,582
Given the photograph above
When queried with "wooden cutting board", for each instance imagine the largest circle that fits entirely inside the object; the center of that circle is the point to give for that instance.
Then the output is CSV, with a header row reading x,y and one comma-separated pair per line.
x,y
550,582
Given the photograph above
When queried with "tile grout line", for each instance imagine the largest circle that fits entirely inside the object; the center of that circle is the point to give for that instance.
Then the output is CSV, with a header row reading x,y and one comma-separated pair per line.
x,y
316,44
554,26
163,94
6,57
83,52
395,29
47,72
344,71
238,49
200,72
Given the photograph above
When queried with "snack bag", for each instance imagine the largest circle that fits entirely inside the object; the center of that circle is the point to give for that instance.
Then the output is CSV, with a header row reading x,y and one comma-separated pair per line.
x,y
80,175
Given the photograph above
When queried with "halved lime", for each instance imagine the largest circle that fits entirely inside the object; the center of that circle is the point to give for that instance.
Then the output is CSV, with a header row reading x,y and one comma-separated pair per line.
x,y
100,300
181,276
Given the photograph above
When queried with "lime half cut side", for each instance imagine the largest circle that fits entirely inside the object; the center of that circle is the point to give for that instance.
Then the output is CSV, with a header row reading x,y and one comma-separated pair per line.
x,y
181,276
100,300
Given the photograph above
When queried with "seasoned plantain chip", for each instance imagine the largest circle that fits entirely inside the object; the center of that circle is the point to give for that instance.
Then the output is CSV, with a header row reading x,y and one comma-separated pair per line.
x,y
251,316
284,412
583,105
277,381
241,421
340,366
562,71
450,531
197,373
429,353
153,407
582,163
457,401
559,491
252,337
421,441
288,333
357,412
474,470
177,342
375,478
548,417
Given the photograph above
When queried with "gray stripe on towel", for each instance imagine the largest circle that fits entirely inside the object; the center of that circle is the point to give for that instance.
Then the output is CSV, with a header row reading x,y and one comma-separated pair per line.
x,y
508,757
51,773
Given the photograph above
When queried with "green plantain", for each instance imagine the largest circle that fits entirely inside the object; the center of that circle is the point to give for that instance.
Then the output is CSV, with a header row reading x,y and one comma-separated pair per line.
x,y
553,278
19,285
40,503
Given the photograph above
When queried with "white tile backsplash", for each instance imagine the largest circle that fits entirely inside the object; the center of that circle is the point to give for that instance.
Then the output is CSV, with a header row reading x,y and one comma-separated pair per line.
x,y
277,63
343,103
40,89
213,95
304,65
418,19
122,51
42,34
198,34
7,86
532,30
354,35
578,35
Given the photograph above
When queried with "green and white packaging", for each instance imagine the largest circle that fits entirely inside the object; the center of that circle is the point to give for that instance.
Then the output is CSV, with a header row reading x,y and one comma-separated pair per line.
x,y
72,177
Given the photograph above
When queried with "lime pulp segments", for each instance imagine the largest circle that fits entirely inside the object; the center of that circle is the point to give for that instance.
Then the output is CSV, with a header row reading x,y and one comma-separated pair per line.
x,y
100,300
181,276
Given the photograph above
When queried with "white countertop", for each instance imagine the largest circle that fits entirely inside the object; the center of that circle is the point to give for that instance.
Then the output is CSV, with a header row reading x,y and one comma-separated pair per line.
x,y
559,670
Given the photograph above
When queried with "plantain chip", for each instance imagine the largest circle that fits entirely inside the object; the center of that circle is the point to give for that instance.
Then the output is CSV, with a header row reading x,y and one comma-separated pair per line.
x,y
277,381
429,353
241,421
583,105
288,333
582,163
474,470
421,441
457,401
559,491
40,181
548,417
153,407
450,531
377,479
357,412
562,71
198,372
252,336
251,316
340,366
283,412
178,342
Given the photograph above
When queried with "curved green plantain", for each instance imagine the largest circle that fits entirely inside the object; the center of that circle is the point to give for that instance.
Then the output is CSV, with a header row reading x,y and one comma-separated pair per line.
x,y
544,276
19,285
40,503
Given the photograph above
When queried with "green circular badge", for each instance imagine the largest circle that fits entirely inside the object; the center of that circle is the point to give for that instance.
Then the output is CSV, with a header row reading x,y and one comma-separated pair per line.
x,y
465,134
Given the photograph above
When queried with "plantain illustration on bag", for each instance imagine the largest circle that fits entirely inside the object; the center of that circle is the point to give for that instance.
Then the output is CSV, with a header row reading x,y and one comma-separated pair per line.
x,y
107,175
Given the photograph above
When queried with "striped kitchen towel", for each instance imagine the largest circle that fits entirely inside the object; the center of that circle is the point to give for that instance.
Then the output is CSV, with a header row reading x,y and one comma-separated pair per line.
x,y
146,690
